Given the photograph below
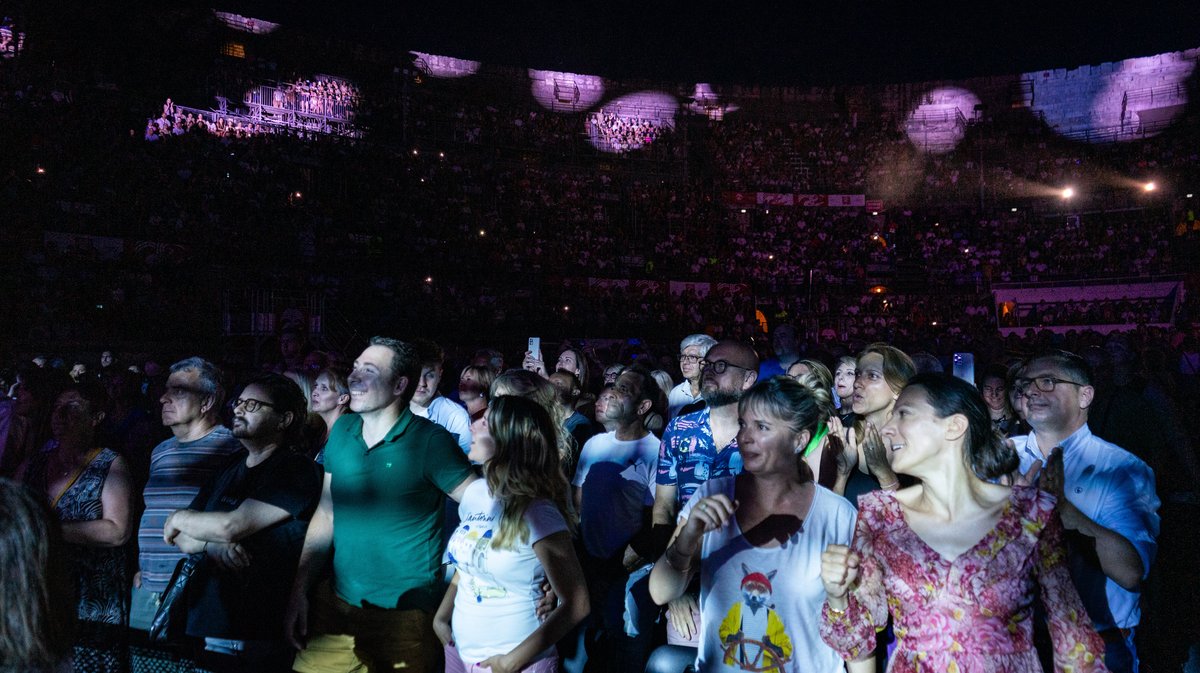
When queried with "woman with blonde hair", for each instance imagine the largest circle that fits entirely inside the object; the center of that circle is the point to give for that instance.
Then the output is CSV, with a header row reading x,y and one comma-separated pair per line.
x,y
528,384
515,535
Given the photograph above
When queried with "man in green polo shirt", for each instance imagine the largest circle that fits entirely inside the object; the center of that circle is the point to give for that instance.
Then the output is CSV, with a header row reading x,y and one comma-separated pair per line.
x,y
386,473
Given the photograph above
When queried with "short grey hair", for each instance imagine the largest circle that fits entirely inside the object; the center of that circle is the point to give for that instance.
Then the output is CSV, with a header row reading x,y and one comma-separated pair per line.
x,y
208,376
704,341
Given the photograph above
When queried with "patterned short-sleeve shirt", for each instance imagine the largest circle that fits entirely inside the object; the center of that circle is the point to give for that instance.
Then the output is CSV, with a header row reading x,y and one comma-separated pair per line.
x,y
688,455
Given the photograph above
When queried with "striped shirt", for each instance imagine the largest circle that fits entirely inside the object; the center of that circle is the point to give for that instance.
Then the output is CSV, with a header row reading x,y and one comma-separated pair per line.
x,y
177,471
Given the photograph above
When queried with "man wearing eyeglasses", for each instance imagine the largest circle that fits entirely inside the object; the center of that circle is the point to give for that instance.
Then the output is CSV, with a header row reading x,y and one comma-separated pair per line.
x,y
1106,497
695,448
249,522
692,350
179,466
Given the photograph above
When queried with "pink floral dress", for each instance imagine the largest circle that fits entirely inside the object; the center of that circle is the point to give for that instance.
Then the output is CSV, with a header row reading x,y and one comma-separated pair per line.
x,y
971,614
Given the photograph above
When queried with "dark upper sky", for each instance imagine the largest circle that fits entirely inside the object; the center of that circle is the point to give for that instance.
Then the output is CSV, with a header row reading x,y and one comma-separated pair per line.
x,y
798,42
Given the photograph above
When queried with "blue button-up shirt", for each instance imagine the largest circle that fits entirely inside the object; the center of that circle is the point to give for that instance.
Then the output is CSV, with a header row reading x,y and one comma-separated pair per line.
x,y
1116,490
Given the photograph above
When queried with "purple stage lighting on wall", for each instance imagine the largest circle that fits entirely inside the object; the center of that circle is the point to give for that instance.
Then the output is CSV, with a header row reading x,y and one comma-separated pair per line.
x,y
939,123
1127,100
631,122
444,67
706,102
246,24
565,91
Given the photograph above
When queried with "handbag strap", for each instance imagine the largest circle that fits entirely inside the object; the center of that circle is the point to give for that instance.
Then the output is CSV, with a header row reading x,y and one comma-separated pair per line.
x,y
75,477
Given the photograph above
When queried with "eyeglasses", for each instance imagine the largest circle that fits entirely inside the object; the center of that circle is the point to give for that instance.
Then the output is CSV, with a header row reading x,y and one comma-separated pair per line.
x,y
250,404
690,359
1044,384
720,366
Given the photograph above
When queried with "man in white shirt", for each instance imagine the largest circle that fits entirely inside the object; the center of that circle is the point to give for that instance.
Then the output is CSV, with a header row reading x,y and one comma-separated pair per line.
x,y
613,490
428,403
692,350
1106,498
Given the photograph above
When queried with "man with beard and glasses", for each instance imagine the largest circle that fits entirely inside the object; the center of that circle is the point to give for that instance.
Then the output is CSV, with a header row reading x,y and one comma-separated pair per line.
x,y
249,522
695,448
387,472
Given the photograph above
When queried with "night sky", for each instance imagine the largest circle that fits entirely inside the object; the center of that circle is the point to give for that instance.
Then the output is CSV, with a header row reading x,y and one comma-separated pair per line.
x,y
798,42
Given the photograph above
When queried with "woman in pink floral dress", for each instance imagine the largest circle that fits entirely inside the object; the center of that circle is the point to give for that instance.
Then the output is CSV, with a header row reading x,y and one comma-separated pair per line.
x,y
955,558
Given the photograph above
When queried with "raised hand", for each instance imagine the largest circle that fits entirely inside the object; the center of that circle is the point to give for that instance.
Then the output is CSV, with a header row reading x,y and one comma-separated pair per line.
x,y
839,570
875,453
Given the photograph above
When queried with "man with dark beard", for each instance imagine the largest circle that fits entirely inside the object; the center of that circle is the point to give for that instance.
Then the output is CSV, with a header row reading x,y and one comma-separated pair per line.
x,y
695,448
249,521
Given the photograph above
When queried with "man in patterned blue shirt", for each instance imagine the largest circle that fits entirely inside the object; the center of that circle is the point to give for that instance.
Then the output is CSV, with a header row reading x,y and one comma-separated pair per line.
x,y
699,446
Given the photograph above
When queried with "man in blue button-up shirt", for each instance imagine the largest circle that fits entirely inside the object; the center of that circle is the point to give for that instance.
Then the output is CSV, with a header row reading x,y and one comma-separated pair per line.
x,y
1106,497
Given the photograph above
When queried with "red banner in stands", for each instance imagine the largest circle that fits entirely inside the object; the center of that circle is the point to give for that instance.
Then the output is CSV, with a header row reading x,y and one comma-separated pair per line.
x,y
747,199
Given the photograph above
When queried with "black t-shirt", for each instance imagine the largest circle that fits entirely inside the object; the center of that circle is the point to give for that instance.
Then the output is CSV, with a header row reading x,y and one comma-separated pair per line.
x,y
250,604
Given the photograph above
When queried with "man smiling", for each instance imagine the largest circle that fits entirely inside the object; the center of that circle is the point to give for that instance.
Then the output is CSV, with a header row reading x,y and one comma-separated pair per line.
x,y
387,471
1106,498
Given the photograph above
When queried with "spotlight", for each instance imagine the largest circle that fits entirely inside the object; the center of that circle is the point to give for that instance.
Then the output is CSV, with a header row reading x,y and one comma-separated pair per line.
x,y
415,153
874,212
1014,210
428,279
42,171
566,308
1189,196
1149,187
1068,192
743,211
482,232
770,256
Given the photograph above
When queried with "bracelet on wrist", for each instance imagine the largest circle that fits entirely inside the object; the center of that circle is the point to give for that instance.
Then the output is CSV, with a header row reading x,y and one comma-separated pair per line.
x,y
890,486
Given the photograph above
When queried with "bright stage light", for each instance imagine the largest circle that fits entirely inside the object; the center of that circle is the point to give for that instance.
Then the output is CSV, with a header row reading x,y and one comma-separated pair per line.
x,y
1068,193
1149,187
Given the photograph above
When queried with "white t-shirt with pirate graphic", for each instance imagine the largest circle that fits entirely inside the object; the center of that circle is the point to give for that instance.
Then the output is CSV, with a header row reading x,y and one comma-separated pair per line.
x,y
760,606
498,589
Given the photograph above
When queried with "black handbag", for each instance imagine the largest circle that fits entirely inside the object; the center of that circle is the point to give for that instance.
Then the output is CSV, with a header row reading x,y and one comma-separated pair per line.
x,y
171,619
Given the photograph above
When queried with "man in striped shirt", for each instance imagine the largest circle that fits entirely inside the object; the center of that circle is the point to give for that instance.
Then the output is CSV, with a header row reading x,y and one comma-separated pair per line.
x,y
178,468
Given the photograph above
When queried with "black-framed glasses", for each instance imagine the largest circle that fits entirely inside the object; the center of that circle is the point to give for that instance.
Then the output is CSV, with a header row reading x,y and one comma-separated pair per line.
x,y
250,404
719,366
1044,384
690,359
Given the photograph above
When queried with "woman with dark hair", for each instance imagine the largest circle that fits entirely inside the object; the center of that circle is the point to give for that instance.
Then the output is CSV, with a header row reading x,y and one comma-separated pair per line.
x,y
514,536
756,540
34,395
89,489
37,615
995,395
955,558
474,384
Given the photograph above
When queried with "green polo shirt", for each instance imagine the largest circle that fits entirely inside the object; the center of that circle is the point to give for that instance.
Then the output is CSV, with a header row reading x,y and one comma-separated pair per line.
x,y
388,503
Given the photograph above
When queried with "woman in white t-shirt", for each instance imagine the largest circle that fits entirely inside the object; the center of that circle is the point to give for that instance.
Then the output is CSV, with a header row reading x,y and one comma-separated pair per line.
x,y
756,541
514,535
